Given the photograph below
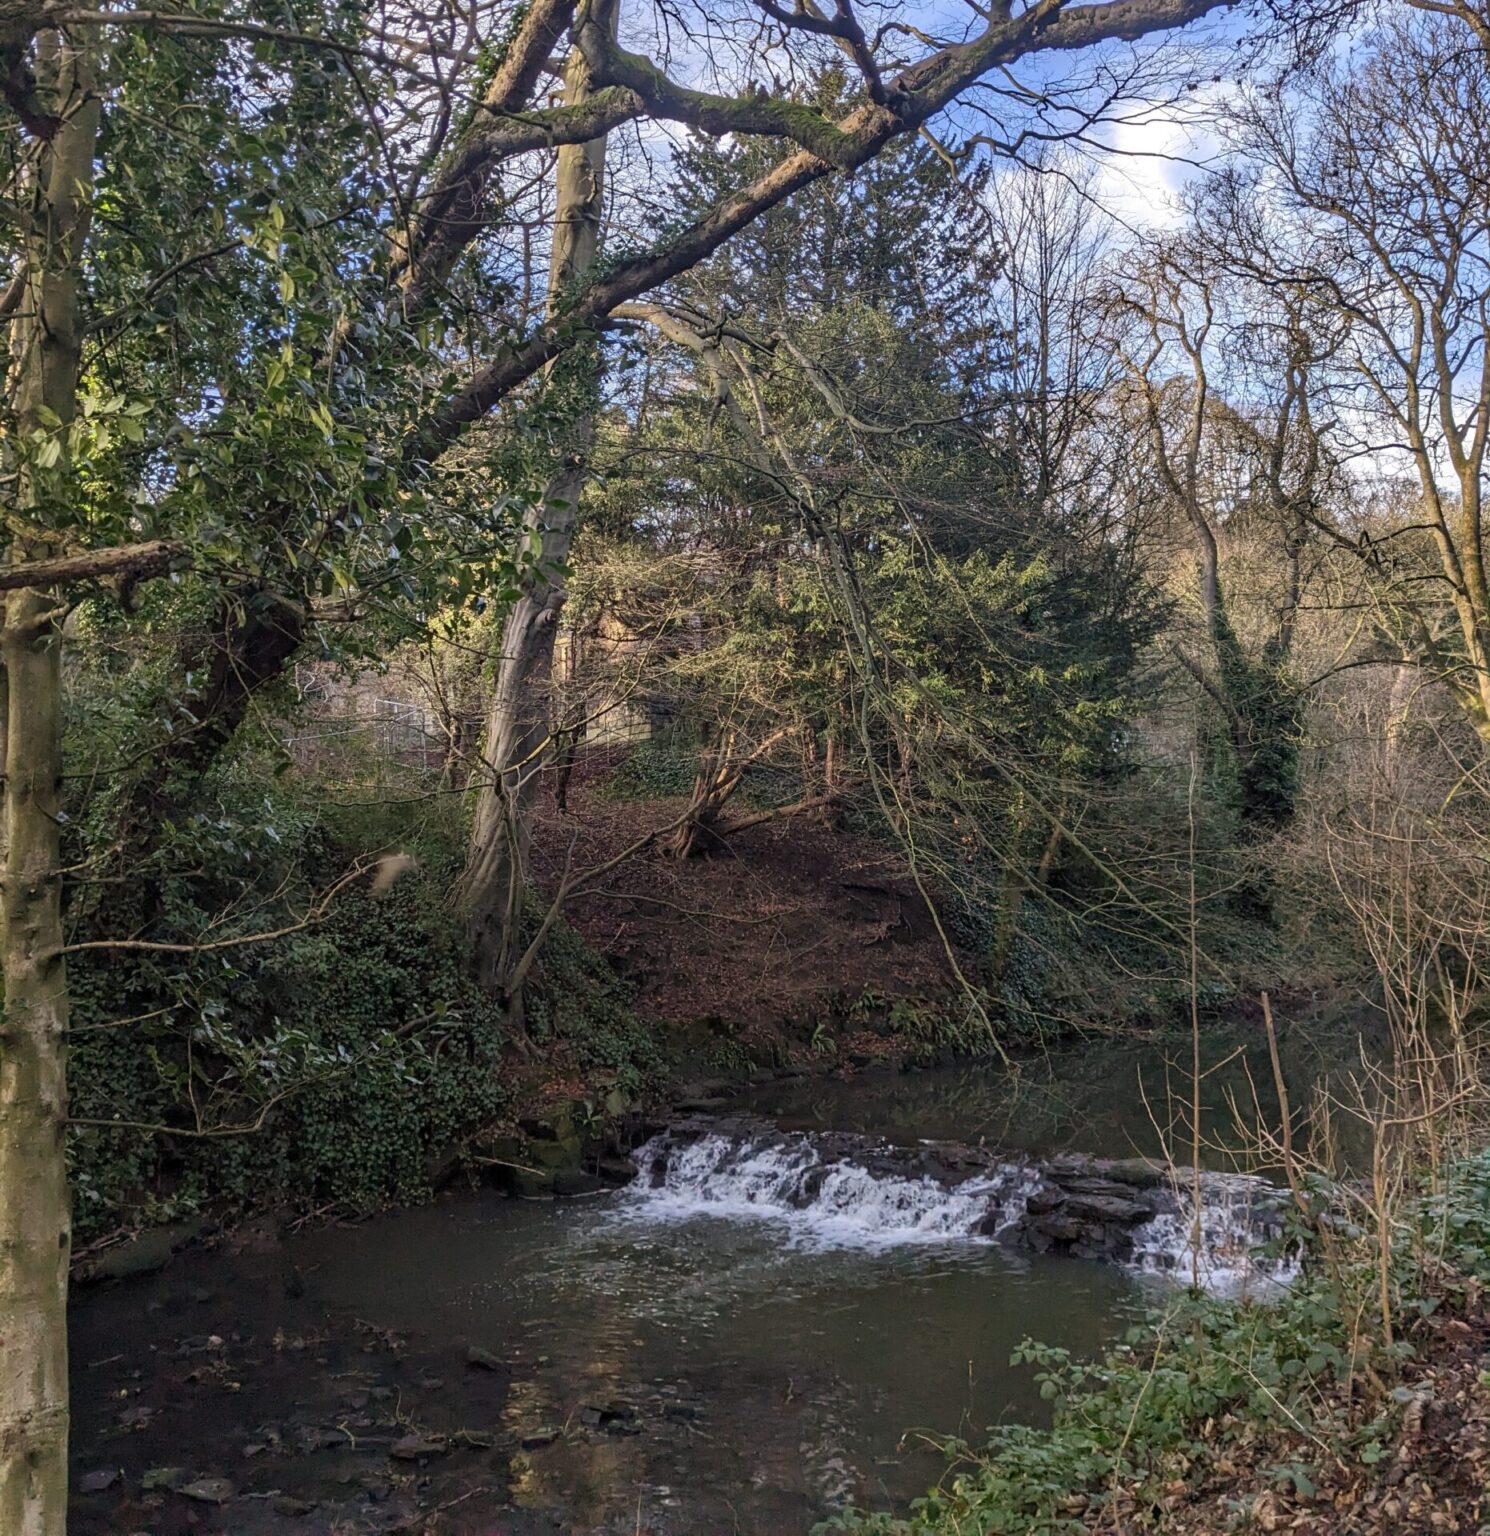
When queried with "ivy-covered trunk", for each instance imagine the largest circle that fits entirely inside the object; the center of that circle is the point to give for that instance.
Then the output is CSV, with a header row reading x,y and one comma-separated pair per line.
x,y
35,1215
518,739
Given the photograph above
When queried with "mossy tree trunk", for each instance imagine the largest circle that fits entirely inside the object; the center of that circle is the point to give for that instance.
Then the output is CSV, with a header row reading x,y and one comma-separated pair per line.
x,y
35,1216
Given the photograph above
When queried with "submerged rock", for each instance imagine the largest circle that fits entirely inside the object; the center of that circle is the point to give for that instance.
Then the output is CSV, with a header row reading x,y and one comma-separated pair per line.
x,y
208,1490
157,1478
417,1448
574,1183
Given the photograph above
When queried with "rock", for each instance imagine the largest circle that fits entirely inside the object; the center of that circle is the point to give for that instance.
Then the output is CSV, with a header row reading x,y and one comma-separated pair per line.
x,y
1088,1184
483,1359
536,1439
164,1477
613,1418
144,1254
208,1490
431,1383
562,1154
1138,1172
474,1439
556,1125
136,1416
528,1185
98,1482
1107,1208
288,1505
416,1448
1044,1202
616,1170
706,1088
317,1437
252,1449
201,1295
1059,1229
574,1184
441,1167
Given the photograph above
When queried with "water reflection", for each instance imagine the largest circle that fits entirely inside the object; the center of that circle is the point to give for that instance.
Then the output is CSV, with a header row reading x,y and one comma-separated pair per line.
x,y
766,1384
683,1377
1107,1097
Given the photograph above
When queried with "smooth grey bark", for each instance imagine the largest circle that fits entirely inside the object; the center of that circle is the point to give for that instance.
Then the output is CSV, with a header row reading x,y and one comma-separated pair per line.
x,y
519,738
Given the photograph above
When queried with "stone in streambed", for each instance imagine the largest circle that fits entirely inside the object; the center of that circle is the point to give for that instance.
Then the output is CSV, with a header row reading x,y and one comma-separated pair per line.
x,y
574,1183
1119,1209
164,1477
98,1482
208,1490
532,1186
613,1418
1058,1229
562,1154
416,1448
483,1359
536,1439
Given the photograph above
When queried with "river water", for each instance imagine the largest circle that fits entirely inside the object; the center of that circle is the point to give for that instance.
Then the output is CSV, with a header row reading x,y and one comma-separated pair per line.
x,y
706,1356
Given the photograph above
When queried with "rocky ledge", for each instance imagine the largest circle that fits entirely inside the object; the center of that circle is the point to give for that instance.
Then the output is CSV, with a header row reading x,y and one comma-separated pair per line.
x,y
1120,1210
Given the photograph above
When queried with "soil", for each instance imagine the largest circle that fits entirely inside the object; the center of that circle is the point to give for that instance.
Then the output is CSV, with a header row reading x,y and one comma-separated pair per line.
x,y
794,914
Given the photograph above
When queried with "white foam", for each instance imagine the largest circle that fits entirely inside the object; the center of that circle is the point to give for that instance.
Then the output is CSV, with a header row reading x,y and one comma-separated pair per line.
x,y
837,1202
830,1203
1238,1214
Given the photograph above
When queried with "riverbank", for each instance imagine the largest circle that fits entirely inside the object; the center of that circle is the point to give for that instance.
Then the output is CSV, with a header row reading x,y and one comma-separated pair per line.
x,y
1309,1414
743,1346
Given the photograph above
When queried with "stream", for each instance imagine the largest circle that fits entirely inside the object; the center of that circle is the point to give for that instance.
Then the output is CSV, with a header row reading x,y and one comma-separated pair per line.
x,y
763,1328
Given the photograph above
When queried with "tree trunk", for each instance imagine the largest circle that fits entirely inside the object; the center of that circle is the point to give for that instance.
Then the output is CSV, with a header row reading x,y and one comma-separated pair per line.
x,y
717,779
518,734
35,1215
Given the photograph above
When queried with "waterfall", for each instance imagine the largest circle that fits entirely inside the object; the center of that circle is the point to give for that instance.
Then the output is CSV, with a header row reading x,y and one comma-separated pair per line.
x,y
846,1192
834,1202
1238,1215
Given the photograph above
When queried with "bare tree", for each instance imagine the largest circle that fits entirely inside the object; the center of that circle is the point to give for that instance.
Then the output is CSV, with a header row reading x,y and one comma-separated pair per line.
x,y
1378,205
1224,382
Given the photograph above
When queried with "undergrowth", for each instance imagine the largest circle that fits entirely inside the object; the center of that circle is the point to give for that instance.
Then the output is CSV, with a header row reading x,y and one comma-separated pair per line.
x,y
1204,1372
336,1064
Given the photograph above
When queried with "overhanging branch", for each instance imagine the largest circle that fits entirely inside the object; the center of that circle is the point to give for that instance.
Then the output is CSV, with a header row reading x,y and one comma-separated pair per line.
x,y
153,558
